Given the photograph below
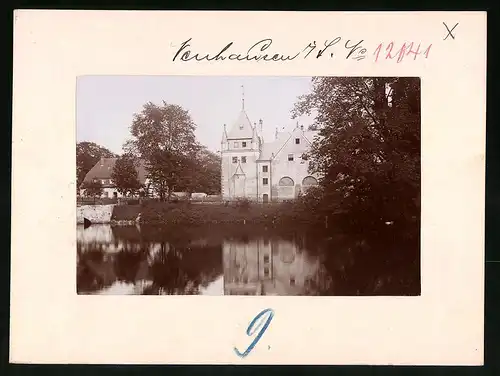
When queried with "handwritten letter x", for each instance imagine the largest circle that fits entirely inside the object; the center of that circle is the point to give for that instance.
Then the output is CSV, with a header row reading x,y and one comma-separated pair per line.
x,y
450,31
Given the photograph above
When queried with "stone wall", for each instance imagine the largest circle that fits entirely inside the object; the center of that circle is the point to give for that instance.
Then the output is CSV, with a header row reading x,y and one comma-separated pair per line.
x,y
94,213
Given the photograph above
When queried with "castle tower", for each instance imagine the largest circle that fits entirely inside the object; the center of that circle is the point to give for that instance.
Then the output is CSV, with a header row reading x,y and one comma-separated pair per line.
x,y
240,148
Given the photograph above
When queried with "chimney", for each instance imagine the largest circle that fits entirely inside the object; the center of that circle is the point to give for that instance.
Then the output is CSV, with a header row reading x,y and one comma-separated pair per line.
x,y
301,127
260,124
276,133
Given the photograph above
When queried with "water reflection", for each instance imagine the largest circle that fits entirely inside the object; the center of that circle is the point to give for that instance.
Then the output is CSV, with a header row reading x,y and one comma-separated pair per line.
x,y
265,266
238,261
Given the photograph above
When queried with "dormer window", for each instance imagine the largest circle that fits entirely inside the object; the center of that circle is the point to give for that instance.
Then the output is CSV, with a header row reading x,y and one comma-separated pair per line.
x,y
236,144
297,141
235,159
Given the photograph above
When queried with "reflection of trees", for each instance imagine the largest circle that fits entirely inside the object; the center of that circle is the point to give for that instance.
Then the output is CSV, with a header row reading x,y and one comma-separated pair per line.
x,y
94,271
177,270
127,265
381,265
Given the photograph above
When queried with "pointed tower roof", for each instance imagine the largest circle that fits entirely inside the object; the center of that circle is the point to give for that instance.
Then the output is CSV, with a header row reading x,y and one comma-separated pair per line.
x,y
224,134
242,128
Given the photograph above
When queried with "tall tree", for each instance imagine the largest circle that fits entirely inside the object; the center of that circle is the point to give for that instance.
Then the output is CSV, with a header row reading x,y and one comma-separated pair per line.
x,y
369,149
206,173
87,155
125,175
164,137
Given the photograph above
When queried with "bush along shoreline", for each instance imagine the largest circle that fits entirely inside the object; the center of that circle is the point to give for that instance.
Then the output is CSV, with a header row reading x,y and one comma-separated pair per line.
x,y
193,214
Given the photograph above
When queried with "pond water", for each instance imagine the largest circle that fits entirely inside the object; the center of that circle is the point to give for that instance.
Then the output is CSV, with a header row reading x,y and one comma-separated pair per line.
x,y
235,261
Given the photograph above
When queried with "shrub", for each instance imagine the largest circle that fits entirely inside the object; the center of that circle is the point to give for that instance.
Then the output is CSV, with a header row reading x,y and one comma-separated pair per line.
x,y
243,203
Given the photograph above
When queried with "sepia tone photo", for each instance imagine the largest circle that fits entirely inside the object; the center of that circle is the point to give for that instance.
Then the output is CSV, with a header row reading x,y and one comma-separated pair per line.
x,y
213,185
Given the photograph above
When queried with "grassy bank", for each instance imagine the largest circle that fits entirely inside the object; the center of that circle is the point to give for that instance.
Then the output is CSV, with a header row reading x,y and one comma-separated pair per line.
x,y
126,212
164,213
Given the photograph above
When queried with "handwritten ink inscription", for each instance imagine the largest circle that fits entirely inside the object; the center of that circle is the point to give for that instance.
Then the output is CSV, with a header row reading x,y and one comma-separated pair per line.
x,y
392,50
263,50
259,323
337,47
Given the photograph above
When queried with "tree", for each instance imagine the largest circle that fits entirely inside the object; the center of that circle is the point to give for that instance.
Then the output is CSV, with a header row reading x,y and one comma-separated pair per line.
x,y
163,136
125,175
87,155
168,172
92,188
205,173
369,151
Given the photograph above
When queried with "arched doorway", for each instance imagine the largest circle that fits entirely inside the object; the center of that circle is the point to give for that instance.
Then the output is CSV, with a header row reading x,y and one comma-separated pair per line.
x,y
238,185
265,198
286,188
308,182
286,182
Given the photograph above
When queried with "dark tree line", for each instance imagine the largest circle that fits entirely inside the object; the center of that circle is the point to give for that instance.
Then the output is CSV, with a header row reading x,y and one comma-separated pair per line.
x,y
368,152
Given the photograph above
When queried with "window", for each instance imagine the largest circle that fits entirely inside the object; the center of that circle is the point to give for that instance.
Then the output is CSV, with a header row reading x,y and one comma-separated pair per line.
x,y
105,193
292,281
243,144
266,271
290,157
265,181
243,159
236,144
264,168
266,258
309,180
235,159
297,141
286,182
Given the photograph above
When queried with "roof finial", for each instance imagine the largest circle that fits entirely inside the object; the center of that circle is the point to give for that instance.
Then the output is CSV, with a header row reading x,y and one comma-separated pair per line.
x,y
242,97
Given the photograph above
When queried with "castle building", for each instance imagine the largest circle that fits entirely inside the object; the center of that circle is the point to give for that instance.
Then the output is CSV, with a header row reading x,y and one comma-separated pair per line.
x,y
264,171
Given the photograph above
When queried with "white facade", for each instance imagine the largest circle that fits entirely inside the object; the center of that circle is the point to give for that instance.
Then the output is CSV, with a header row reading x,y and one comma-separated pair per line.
x,y
264,171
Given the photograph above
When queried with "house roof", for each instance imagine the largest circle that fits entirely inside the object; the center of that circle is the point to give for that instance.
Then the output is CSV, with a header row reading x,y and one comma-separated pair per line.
x,y
104,168
242,127
273,147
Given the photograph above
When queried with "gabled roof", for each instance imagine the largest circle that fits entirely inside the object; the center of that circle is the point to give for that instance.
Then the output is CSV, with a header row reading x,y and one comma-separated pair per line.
x,y
270,148
239,170
242,127
104,168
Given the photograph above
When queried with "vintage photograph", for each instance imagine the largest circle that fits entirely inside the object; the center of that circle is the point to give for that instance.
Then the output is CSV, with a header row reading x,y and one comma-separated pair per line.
x,y
254,185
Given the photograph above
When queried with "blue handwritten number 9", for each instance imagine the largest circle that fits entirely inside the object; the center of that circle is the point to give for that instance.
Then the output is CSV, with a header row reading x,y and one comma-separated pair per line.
x,y
253,327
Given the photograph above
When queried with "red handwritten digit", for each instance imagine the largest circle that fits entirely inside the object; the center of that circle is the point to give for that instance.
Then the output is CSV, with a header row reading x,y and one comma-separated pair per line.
x,y
426,52
377,51
415,53
401,53
389,49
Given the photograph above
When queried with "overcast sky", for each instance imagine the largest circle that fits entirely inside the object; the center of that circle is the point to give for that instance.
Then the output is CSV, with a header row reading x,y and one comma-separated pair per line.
x,y
106,104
